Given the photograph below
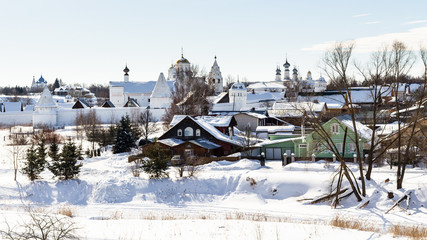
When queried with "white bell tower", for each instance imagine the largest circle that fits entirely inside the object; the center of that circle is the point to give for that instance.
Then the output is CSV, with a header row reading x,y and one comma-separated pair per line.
x,y
215,78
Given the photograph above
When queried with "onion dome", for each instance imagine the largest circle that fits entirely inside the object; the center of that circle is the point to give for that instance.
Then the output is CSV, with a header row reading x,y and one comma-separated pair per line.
x,y
278,71
286,65
182,60
126,70
41,80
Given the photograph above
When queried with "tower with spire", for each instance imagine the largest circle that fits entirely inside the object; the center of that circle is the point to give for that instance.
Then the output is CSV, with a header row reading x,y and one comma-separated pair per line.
x,y
126,71
278,74
295,74
215,78
286,66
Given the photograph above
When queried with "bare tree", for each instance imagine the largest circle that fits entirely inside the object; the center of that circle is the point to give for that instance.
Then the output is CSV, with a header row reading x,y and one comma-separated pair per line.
x,y
336,62
376,70
402,61
42,226
18,148
190,95
147,124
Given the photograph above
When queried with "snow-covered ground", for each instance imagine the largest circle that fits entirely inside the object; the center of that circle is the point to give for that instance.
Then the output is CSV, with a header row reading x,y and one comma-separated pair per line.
x,y
108,202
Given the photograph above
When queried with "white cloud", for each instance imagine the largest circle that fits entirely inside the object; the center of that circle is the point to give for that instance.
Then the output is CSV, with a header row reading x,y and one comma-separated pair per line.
x,y
374,22
360,15
415,22
413,38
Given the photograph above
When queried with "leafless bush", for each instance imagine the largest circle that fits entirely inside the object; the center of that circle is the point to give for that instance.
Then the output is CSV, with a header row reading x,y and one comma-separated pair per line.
x,y
414,232
65,210
42,226
251,181
361,225
136,168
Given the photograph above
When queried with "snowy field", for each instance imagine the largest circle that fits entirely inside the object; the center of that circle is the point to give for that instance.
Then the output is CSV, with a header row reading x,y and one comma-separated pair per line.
x,y
225,200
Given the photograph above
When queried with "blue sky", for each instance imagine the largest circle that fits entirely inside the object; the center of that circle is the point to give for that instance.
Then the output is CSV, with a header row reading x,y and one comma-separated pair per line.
x,y
91,41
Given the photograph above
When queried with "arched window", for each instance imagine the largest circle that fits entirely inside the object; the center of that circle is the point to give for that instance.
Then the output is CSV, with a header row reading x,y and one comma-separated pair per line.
x,y
188,131
179,132
198,132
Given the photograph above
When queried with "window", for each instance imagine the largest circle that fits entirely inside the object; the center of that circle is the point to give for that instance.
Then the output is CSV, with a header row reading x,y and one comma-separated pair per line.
x,y
317,147
188,152
179,133
188,131
198,132
339,147
335,128
352,147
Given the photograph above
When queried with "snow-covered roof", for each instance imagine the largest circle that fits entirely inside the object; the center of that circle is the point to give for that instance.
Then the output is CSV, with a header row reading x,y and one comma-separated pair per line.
x,y
206,126
274,129
46,99
334,105
217,121
29,107
12,106
204,143
300,106
140,87
161,89
257,97
171,142
362,129
267,142
388,128
215,132
266,86
256,115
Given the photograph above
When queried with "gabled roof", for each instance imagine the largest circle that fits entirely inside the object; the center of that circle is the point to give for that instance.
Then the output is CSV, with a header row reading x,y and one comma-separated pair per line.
x,y
108,104
131,103
162,89
208,128
80,103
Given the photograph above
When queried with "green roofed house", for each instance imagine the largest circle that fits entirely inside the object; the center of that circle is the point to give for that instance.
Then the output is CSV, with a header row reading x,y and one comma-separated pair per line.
x,y
303,147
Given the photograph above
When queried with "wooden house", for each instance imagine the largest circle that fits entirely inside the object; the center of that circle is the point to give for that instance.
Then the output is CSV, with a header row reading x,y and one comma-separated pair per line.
x,y
196,137
303,147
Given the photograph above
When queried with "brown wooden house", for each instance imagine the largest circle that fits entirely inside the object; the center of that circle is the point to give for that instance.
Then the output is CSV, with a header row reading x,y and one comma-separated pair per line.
x,y
196,137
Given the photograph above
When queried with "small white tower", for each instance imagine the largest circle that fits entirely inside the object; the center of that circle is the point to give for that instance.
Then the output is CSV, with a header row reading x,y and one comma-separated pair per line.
x,y
309,75
295,74
287,75
126,71
45,111
215,78
172,73
237,95
278,74
161,95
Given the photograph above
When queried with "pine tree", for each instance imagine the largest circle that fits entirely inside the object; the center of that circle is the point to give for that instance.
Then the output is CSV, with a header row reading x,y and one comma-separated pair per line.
x,y
56,84
65,166
41,151
124,137
156,161
33,166
54,150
